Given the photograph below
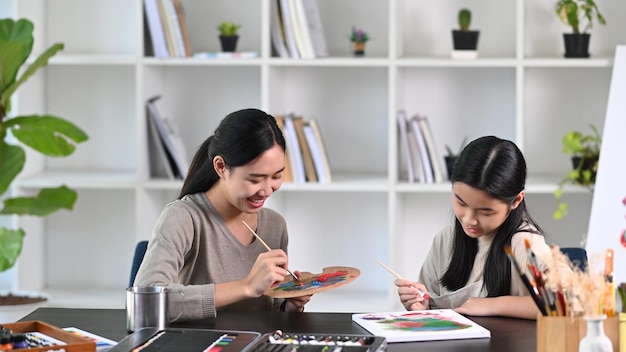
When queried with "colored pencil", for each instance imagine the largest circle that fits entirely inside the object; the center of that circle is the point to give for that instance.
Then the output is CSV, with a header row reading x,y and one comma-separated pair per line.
x,y
421,293
268,248
532,290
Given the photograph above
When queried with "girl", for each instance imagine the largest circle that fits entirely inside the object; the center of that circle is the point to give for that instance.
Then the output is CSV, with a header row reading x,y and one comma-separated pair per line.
x,y
467,268
200,244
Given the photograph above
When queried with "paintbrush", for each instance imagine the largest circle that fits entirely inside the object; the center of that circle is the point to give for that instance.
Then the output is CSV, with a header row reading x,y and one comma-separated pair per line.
x,y
268,248
532,290
425,295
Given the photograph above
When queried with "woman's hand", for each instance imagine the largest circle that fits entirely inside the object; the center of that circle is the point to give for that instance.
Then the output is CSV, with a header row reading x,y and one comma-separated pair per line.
x,y
408,291
268,269
296,304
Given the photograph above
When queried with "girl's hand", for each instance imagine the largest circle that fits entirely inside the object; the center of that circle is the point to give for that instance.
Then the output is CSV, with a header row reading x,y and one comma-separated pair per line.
x,y
296,304
409,294
268,269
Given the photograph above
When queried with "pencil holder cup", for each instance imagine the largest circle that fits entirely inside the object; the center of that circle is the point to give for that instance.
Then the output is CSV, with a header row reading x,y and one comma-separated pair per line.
x,y
563,334
148,307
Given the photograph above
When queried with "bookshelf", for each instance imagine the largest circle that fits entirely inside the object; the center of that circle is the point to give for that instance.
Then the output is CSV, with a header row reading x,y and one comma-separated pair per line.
x,y
520,88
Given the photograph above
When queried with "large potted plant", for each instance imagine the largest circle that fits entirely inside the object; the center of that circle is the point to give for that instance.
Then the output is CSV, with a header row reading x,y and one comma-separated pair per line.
x,y
46,134
228,35
579,15
464,40
584,150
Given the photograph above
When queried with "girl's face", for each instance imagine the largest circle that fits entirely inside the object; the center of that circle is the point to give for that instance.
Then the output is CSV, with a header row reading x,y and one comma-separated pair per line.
x,y
478,213
248,186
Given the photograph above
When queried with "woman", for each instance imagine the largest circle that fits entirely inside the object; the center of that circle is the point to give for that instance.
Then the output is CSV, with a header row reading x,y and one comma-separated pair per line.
x,y
467,268
200,244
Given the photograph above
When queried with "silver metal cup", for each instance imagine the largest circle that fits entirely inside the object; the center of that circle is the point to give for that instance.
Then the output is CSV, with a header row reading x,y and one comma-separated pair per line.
x,y
148,307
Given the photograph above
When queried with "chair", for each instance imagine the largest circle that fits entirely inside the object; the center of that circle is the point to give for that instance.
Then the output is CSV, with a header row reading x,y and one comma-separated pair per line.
x,y
577,255
140,251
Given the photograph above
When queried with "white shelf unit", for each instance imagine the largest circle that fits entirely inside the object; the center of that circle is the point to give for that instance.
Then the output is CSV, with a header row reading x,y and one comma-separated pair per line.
x,y
520,88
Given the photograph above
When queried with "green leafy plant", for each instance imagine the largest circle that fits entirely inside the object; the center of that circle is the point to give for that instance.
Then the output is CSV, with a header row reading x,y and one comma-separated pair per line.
x,y
46,134
465,18
622,296
228,29
574,13
358,35
586,147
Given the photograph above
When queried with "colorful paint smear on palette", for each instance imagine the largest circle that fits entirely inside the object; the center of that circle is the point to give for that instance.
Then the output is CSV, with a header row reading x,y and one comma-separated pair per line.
x,y
416,321
220,343
314,282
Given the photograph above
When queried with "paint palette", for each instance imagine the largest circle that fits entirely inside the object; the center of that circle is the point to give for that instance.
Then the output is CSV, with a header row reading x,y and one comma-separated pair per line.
x,y
330,278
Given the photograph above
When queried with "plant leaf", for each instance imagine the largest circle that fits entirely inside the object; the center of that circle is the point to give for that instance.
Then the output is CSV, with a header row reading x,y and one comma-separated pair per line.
x,y
49,135
42,60
16,43
47,201
12,159
10,247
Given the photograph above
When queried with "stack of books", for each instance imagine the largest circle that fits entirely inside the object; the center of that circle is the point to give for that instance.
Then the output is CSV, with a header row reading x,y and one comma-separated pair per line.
x,y
306,156
166,23
417,146
296,29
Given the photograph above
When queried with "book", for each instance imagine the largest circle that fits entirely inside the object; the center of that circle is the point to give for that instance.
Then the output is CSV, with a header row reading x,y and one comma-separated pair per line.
x,y
290,40
170,138
160,161
167,31
303,29
155,27
276,31
287,174
307,159
420,143
424,325
318,151
174,27
102,343
316,30
435,158
405,148
182,21
293,147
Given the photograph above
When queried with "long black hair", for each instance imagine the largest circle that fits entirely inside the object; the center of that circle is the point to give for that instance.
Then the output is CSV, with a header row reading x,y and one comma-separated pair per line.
x,y
497,167
240,138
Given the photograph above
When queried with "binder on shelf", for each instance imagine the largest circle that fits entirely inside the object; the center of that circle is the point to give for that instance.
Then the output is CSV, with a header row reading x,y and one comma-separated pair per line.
x,y
435,158
160,162
288,26
277,32
293,146
287,174
155,28
318,151
420,142
316,30
175,28
170,138
182,21
302,28
405,148
307,159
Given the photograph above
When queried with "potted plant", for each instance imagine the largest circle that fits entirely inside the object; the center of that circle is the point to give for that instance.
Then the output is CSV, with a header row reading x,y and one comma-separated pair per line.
x,y
585,152
464,40
46,134
228,35
450,157
578,14
358,37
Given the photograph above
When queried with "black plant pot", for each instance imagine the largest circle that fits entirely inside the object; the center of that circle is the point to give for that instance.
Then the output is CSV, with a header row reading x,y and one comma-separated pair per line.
x,y
576,45
465,40
450,161
588,165
229,43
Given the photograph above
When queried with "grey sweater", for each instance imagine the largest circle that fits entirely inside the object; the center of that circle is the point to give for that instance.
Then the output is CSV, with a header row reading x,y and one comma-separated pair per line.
x,y
191,249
